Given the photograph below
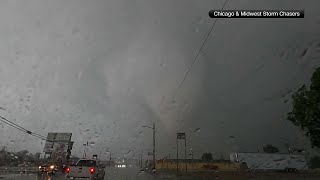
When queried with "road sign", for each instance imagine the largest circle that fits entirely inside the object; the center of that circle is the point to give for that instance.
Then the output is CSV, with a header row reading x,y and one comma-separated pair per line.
x,y
181,135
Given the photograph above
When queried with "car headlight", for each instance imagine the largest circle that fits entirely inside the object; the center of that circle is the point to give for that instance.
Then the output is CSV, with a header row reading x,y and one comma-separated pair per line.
x,y
51,167
39,167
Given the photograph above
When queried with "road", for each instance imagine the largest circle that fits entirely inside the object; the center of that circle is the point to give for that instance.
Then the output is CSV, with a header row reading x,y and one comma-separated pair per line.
x,y
111,174
133,174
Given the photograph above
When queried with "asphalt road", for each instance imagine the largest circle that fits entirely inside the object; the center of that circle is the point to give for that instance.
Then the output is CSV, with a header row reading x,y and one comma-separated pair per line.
x,y
133,174
111,174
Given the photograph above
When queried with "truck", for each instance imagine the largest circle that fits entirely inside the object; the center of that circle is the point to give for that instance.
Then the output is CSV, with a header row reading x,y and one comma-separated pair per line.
x,y
90,169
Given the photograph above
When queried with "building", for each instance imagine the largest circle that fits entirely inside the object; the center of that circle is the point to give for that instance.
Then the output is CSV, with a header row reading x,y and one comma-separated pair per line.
x,y
269,161
196,165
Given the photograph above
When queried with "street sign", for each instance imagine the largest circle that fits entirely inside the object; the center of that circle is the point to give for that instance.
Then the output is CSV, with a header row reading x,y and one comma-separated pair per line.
x,y
181,135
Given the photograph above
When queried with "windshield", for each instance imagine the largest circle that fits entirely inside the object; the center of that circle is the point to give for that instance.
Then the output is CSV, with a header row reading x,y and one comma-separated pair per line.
x,y
87,163
197,89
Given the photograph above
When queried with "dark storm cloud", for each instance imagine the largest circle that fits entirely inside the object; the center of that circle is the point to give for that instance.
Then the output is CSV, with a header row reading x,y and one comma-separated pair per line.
x,y
101,69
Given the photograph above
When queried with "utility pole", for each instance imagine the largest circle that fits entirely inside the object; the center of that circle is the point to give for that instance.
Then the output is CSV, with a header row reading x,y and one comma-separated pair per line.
x,y
141,162
168,159
84,151
154,145
185,152
191,158
177,156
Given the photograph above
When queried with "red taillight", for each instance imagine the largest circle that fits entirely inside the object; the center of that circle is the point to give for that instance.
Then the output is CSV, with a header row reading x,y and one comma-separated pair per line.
x,y
67,170
91,170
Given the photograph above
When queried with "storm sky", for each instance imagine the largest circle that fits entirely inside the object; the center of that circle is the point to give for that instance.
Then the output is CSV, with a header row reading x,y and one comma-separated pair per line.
x,y
103,68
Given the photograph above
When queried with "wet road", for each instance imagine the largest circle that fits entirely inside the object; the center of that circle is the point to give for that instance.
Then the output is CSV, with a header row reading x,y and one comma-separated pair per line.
x,y
133,174
111,174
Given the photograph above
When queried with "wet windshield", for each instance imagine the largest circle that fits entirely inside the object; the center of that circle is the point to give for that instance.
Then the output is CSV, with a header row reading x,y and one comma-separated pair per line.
x,y
198,89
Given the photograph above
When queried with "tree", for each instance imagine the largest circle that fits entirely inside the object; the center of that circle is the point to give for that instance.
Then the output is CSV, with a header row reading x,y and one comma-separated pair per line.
x,y
315,162
23,153
270,149
206,156
305,112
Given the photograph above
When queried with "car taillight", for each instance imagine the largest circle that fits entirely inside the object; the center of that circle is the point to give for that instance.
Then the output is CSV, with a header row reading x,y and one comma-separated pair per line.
x,y
91,170
67,170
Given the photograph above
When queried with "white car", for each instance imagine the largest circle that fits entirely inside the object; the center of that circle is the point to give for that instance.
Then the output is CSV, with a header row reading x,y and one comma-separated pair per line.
x,y
86,169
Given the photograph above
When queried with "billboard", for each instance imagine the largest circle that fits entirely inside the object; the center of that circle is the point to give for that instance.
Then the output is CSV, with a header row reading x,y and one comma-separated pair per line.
x,y
57,142
48,147
63,137
51,136
60,147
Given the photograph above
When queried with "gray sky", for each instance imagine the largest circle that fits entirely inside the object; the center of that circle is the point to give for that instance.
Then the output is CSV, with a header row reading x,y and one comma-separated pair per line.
x,y
102,68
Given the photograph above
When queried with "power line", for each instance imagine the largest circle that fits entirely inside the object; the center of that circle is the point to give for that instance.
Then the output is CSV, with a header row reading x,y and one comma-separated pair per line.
x,y
39,135
20,128
25,131
3,120
200,49
13,123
